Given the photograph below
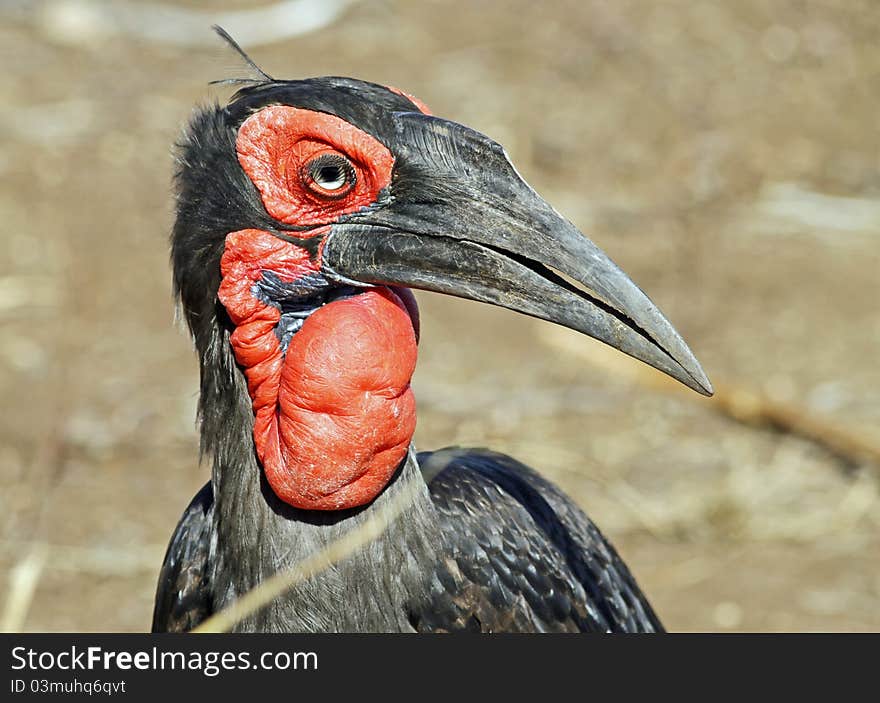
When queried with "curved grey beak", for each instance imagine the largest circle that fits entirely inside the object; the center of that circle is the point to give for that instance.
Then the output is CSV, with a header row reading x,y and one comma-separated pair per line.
x,y
461,221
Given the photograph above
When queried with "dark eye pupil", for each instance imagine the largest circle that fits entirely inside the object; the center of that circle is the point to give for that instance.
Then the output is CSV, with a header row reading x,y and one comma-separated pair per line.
x,y
330,176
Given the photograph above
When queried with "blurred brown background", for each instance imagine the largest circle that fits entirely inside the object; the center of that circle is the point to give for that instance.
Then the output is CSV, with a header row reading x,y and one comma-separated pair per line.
x,y
725,154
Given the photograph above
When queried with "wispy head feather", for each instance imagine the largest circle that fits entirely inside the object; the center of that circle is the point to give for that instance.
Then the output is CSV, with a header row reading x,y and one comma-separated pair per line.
x,y
261,77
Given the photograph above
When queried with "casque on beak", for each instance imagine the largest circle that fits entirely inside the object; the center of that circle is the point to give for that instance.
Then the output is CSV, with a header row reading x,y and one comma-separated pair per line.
x,y
460,220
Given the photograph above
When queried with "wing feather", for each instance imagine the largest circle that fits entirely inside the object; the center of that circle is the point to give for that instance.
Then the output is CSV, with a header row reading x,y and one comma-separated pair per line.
x,y
520,555
183,596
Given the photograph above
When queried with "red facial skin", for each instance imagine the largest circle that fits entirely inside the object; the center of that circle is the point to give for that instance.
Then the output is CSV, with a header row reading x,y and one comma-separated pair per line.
x,y
335,414
275,143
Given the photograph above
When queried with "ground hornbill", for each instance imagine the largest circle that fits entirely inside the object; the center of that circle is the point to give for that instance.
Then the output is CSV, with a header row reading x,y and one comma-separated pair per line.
x,y
306,211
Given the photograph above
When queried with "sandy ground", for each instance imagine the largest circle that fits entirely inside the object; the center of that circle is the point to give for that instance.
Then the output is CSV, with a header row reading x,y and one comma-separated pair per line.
x,y
727,155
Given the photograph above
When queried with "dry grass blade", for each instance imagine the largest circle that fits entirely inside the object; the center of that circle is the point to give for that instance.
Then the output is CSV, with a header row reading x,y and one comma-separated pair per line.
x,y
23,581
100,561
333,553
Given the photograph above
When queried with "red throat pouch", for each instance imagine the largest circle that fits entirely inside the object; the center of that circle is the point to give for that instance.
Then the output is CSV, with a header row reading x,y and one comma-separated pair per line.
x,y
335,414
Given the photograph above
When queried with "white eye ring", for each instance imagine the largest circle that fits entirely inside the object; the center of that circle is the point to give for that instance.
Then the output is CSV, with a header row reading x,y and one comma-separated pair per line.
x,y
330,175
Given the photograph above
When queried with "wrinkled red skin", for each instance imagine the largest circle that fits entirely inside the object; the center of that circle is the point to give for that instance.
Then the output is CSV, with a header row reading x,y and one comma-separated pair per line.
x,y
275,143
335,414
348,413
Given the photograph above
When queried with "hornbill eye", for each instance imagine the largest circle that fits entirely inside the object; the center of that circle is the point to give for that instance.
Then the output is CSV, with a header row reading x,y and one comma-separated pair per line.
x,y
329,176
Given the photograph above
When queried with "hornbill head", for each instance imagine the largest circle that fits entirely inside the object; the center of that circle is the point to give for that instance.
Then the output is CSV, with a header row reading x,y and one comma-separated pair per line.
x,y
301,194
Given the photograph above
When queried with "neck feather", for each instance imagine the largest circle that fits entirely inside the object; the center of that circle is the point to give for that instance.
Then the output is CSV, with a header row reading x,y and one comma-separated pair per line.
x,y
258,534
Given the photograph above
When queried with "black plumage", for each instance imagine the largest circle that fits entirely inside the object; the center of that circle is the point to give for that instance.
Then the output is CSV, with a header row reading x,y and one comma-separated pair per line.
x,y
487,544
503,550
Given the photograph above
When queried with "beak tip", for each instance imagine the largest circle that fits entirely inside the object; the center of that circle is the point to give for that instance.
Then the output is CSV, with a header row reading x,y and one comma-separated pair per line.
x,y
706,389
699,381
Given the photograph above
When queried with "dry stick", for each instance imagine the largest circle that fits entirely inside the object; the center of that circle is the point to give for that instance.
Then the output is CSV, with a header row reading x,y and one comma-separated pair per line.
x,y
745,405
754,408
337,550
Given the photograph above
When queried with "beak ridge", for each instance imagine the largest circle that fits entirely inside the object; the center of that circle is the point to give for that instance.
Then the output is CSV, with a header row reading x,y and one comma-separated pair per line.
x,y
462,221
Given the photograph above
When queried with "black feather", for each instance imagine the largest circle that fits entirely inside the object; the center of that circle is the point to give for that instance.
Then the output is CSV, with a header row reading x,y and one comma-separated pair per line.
x,y
226,37
184,596
492,548
521,555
